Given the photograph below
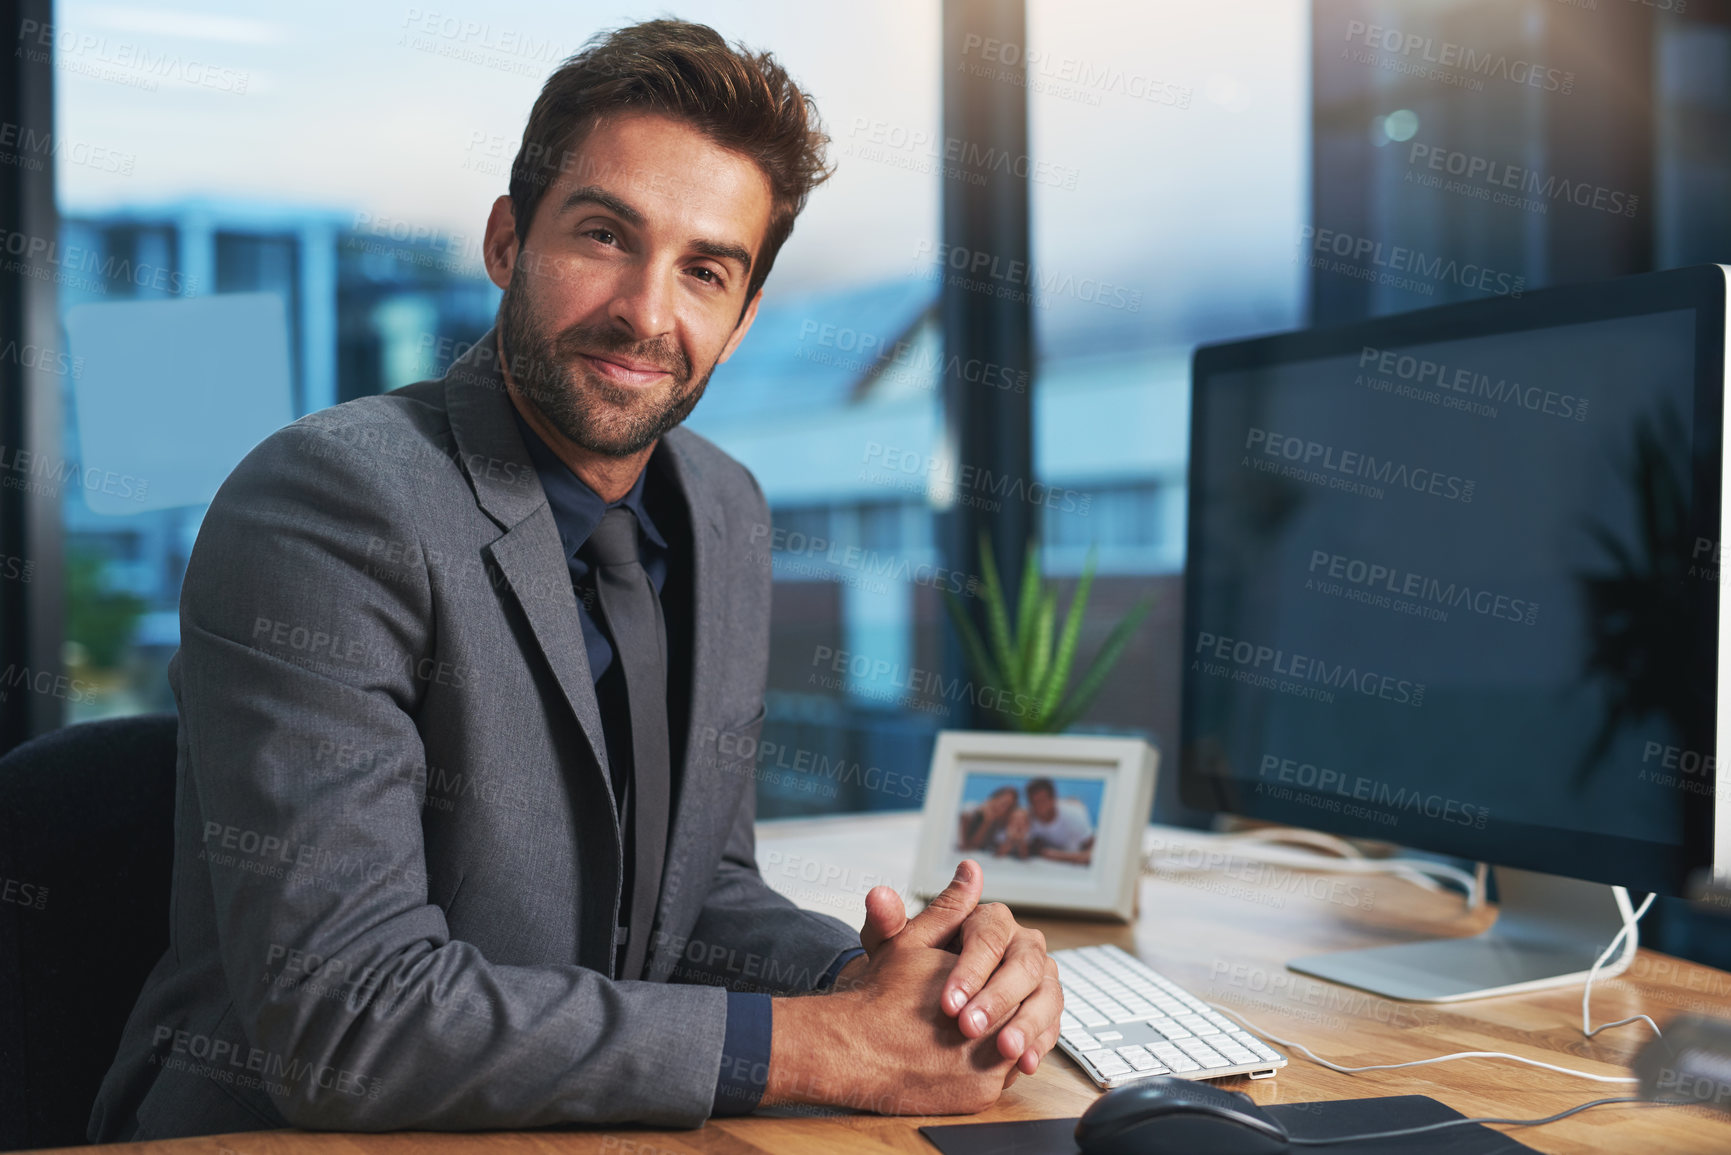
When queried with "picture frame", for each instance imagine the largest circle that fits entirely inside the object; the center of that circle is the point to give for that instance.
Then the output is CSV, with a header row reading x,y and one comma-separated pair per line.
x,y
1070,840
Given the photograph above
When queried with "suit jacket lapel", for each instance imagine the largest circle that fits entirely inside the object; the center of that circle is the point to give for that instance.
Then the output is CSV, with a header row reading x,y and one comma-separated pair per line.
x,y
529,555
701,787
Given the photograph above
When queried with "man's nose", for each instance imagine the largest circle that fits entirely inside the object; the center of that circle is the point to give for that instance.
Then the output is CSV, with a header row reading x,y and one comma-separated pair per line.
x,y
643,304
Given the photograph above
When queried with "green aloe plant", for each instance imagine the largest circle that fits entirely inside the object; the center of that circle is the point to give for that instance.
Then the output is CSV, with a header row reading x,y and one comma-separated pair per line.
x,y
1031,661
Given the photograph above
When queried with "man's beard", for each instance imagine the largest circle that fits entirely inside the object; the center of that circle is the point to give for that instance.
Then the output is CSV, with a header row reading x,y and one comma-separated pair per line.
x,y
592,412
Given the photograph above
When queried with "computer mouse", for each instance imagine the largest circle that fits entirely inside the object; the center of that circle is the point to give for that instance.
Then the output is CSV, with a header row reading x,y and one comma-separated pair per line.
x,y
1166,1115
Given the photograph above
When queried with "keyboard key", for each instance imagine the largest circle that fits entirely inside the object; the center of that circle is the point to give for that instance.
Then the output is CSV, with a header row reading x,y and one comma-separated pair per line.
x,y
1170,1029
1109,1064
1138,1058
1086,1043
1202,1053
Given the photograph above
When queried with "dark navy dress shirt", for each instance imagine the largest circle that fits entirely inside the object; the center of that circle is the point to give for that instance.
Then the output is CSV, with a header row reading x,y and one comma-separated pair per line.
x,y
577,510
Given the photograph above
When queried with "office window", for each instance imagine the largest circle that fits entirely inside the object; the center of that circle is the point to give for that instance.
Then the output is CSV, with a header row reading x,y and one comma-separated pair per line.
x,y
1691,167
1170,186
294,167
1127,525
798,527
248,262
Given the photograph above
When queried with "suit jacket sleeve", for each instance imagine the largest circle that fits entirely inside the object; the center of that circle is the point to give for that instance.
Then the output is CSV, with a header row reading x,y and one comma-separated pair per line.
x,y
290,644
748,936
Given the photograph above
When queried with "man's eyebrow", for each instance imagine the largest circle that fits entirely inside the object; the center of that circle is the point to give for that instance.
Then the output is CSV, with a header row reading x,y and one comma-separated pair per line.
x,y
595,195
722,251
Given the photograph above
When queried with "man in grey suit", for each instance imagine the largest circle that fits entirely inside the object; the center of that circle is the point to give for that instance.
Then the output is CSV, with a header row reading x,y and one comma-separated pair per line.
x,y
464,838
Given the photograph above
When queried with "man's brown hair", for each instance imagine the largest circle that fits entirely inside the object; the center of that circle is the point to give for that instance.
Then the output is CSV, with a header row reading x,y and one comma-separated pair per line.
x,y
743,101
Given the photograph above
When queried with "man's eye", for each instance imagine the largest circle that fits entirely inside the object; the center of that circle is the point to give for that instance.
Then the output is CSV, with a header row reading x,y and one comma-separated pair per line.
x,y
707,274
605,236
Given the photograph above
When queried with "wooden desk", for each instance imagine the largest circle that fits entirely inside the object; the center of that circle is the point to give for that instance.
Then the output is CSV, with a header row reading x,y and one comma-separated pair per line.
x,y
1226,936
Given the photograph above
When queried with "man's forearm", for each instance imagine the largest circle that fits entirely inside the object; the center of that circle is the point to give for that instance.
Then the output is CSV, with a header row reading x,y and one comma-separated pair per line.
x,y
807,1053
818,1058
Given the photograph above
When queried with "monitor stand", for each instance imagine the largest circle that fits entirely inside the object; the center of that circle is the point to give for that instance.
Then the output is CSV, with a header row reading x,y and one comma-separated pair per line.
x,y
1548,933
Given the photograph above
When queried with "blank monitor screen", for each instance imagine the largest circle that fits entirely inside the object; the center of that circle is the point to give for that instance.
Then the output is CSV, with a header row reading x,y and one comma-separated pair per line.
x,y
1453,579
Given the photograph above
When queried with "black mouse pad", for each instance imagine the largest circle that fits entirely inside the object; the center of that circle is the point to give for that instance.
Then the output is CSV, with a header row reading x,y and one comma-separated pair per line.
x,y
1301,1120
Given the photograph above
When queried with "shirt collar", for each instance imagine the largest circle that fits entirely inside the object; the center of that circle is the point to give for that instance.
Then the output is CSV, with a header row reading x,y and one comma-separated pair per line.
x,y
577,509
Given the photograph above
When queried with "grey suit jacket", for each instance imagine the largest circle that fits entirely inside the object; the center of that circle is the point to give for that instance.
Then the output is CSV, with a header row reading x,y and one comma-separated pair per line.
x,y
397,854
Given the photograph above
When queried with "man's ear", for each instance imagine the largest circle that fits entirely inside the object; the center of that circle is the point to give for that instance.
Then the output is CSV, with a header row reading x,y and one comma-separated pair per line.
x,y
743,327
499,244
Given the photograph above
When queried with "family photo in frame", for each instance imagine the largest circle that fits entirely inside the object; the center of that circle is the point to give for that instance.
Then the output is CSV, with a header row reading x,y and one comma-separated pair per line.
x,y
1056,819
1026,818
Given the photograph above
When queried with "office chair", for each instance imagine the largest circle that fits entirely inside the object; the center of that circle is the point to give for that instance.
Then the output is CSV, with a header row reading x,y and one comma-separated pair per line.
x,y
86,857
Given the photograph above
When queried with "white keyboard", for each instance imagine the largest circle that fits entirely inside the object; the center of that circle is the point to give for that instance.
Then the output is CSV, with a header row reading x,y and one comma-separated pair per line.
x,y
1124,1022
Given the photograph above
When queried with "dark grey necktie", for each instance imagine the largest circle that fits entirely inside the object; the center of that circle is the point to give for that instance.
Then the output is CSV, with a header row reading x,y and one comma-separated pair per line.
x,y
631,614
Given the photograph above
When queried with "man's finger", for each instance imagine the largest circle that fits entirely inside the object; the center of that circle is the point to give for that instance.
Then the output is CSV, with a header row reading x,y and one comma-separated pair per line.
x,y
885,918
1033,1030
934,925
985,936
1014,979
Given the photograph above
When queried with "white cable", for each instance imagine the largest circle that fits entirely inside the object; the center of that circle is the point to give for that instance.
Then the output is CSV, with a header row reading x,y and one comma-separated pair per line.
x,y
1356,865
1299,860
1351,859
1329,843
1298,836
1316,1058
1632,931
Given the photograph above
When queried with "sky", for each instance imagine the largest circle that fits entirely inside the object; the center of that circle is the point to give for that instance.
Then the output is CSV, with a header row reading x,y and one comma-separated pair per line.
x,y
1169,139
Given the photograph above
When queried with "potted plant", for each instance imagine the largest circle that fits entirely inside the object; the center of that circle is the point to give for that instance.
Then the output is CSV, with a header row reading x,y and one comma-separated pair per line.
x,y
1026,657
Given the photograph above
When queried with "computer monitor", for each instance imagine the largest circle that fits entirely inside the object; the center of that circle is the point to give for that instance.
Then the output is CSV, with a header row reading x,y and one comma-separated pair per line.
x,y
1454,583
